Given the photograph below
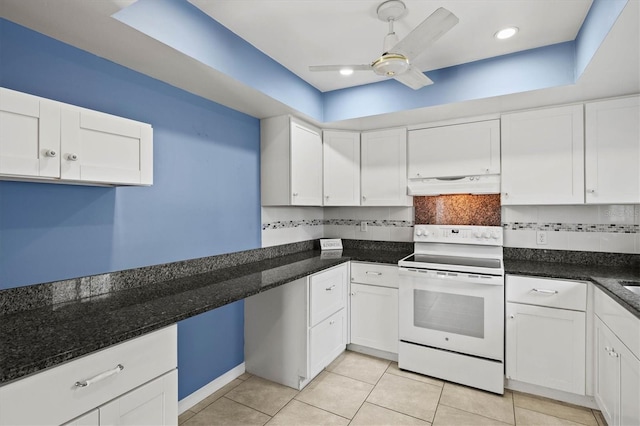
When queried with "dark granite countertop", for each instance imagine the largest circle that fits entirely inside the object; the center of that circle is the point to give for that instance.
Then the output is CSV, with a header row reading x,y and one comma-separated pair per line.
x,y
40,338
605,277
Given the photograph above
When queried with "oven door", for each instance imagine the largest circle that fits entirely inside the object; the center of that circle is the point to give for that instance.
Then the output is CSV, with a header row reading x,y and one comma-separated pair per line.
x,y
460,312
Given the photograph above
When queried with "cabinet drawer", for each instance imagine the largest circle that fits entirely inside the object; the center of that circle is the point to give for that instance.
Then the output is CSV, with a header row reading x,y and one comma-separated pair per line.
x,y
56,397
327,293
623,324
326,341
547,292
374,274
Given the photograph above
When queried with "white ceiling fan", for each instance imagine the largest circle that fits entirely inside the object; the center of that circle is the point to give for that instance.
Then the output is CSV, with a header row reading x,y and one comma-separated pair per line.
x,y
396,58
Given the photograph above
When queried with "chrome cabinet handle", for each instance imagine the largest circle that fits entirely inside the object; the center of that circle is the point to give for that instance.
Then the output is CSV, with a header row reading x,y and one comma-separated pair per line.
x,y
373,273
84,383
544,291
330,288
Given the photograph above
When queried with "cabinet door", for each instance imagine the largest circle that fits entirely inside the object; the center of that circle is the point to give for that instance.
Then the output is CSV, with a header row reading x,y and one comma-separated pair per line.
x,y
29,135
105,149
607,383
374,317
629,387
543,156
612,151
92,418
326,341
384,168
458,150
546,347
306,166
155,403
341,169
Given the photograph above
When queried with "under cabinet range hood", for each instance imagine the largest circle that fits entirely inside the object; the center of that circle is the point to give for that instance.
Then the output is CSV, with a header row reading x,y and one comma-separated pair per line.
x,y
480,184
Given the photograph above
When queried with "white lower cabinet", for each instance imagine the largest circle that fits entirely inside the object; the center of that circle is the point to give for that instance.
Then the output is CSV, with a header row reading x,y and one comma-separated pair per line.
x,y
374,306
131,383
546,344
293,331
617,377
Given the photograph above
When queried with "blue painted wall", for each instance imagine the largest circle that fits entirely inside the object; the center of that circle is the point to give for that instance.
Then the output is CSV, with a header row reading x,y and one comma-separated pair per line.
x,y
205,199
181,25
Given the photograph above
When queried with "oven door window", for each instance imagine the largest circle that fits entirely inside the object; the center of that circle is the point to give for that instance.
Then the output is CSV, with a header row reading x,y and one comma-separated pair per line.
x,y
450,313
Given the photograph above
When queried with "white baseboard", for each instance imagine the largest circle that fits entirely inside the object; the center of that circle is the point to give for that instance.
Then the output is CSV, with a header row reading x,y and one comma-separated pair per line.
x,y
192,399
373,352
571,398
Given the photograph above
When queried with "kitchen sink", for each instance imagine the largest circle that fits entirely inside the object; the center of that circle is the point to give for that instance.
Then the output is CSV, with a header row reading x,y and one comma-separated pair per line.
x,y
633,286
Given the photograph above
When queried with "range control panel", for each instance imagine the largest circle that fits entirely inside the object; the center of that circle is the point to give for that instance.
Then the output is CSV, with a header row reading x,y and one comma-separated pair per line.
x,y
458,234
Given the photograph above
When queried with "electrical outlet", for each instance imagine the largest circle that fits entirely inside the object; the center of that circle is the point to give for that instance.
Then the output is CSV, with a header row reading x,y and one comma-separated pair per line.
x,y
541,238
363,226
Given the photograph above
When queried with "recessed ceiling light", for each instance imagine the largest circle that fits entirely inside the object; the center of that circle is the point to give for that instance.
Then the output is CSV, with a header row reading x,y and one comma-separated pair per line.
x,y
506,33
346,71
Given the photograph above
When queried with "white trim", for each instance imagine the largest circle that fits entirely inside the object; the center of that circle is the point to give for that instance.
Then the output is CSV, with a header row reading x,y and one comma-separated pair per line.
x,y
391,356
216,384
558,395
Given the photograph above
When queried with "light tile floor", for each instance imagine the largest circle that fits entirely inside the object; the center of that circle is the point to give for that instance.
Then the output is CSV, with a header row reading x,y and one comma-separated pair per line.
x,y
358,389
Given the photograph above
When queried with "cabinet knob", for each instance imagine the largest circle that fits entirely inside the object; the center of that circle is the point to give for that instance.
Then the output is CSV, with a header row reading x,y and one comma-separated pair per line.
x,y
506,195
353,293
72,157
326,196
608,348
50,153
330,288
364,198
613,354
332,322
591,191
511,316
295,194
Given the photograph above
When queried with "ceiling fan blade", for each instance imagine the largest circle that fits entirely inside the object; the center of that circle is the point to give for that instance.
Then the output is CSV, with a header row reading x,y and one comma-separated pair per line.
x,y
366,67
430,30
413,78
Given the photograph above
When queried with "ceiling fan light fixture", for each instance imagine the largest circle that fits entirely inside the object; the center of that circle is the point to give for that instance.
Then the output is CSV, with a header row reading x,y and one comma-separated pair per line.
x,y
506,33
390,64
346,71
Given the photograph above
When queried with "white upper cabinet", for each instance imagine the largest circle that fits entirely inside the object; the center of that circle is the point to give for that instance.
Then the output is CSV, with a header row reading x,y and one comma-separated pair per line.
x,y
29,135
612,151
341,170
467,149
102,148
291,163
50,141
543,156
384,168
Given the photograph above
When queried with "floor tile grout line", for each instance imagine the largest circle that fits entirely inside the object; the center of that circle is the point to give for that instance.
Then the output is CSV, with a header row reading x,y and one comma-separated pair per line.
x,y
400,412
245,405
319,408
556,417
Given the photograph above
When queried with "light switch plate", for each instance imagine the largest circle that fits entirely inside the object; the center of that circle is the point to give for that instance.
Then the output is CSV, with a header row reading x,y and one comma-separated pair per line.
x,y
331,244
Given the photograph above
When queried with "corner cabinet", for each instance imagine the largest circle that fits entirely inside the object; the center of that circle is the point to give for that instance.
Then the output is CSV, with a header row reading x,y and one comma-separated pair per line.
x,y
131,383
543,156
374,307
290,162
293,331
546,333
612,151
49,141
384,168
341,168
617,363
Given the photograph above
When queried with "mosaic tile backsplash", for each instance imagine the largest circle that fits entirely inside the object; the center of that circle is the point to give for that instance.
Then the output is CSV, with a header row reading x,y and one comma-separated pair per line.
x,y
461,209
